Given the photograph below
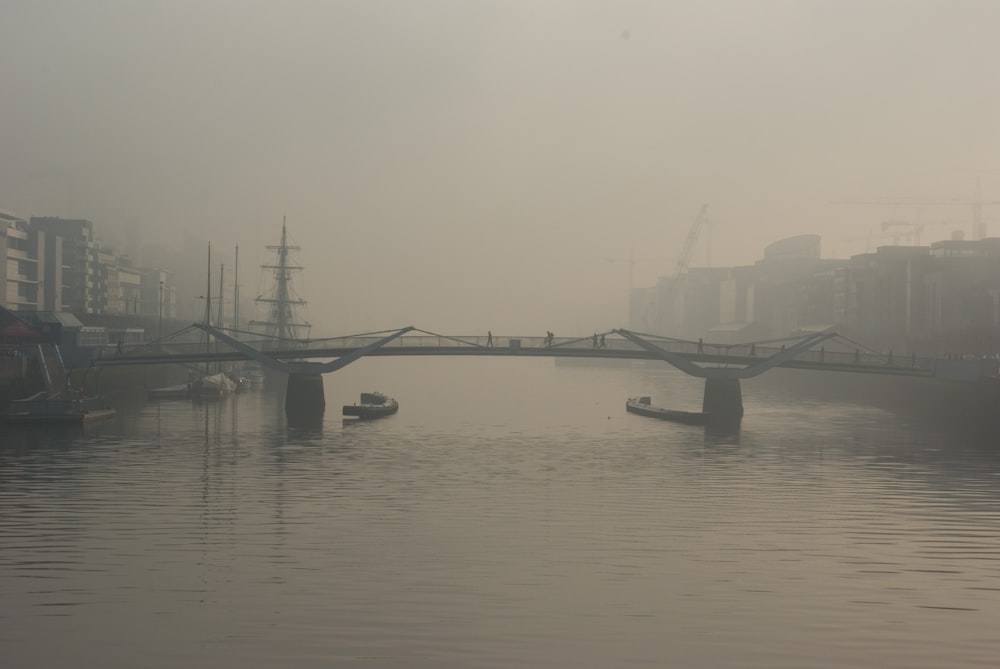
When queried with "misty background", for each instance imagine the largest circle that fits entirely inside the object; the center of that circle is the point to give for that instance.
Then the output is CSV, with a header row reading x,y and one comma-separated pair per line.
x,y
464,166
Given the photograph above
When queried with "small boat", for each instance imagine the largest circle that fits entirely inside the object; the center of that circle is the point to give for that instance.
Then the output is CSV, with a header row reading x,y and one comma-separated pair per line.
x,y
241,384
180,392
252,375
643,407
215,386
42,409
372,405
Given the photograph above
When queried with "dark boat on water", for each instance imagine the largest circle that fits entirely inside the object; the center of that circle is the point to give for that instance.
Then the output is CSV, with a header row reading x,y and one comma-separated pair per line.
x,y
44,409
372,405
643,407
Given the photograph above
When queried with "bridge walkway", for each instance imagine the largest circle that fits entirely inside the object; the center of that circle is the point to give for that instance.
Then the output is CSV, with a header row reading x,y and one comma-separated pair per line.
x,y
840,355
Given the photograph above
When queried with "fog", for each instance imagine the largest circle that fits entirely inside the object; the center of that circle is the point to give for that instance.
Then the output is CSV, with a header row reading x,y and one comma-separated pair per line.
x,y
464,166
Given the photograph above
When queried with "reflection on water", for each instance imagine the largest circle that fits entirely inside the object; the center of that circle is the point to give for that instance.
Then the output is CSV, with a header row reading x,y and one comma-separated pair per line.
x,y
507,515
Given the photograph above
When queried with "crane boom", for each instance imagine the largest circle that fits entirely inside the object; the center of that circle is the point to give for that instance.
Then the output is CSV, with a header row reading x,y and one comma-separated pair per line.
x,y
916,227
977,203
692,240
632,260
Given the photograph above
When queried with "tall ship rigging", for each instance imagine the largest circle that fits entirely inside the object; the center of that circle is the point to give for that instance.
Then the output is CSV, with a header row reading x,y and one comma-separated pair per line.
x,y
283,325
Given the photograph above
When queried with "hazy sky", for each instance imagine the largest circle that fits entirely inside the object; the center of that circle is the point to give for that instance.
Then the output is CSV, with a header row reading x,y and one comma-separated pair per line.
x,y
469,165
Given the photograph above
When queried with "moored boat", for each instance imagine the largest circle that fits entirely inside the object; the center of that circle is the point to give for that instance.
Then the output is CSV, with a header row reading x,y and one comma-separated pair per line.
x,y
371,406
214,386
643,407
252,374
178,392
43,409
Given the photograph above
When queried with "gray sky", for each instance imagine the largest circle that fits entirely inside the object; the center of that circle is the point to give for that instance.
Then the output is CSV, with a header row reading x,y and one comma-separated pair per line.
x,y
464,165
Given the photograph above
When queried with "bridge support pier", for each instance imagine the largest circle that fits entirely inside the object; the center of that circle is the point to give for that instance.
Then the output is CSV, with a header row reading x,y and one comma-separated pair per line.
x,y
305,402
723,401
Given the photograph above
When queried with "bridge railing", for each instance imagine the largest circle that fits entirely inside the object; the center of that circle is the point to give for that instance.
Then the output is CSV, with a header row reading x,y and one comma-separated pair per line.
x,y
834,356
705,352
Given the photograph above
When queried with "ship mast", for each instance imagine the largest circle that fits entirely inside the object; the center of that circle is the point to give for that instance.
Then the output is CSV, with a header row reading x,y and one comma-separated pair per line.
x,y
281,322
283,308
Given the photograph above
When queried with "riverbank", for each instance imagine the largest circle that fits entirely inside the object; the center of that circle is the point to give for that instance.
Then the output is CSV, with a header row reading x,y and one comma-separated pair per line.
x,y
956,405
97,381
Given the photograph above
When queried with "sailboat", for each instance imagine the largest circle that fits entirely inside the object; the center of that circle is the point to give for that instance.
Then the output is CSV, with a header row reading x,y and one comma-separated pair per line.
x,y
211,386
283,325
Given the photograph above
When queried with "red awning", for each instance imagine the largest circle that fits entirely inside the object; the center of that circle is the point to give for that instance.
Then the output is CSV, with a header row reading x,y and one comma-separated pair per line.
x,y
14,330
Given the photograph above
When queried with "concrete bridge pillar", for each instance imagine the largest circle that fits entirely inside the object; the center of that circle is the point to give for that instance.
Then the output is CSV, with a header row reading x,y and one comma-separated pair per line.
x,y
723,401
304,398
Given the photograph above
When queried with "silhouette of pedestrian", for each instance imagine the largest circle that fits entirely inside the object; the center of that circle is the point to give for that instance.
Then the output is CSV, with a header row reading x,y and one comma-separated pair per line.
x,y
701,346
603,343
119,347
548,338
489,339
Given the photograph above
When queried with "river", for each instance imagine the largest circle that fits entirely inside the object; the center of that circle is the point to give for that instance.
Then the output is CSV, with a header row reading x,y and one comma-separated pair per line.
x,y
511,514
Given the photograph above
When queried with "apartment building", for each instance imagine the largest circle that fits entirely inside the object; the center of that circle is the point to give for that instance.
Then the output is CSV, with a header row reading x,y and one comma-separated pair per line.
x,y
29,281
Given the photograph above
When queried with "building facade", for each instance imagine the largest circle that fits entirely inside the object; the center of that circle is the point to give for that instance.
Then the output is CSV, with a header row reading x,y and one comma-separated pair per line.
x,y
939,299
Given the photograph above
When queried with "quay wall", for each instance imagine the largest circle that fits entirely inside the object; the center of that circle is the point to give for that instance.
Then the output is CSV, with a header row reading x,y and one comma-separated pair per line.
x,y
93,380
956,405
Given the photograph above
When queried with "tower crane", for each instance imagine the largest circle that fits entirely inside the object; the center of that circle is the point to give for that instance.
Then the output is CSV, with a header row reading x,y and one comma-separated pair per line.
x,y
632,260
977,203
684,259
916,227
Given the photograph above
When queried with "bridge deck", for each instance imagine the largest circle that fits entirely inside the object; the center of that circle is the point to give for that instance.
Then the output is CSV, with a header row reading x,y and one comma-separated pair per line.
x,y
720,355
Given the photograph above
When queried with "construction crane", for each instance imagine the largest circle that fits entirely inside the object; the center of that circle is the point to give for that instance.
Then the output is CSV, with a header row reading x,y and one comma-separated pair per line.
x,y
684,259
916,227
977,204
632,260
895,236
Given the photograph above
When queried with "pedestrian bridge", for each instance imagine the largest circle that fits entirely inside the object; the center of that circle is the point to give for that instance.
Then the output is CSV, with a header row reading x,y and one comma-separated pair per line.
x,y
722,366
825,351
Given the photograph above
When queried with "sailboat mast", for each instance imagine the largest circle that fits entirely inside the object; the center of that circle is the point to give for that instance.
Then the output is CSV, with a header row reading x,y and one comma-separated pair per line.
x,y
208,303
222,310
208,288
236,291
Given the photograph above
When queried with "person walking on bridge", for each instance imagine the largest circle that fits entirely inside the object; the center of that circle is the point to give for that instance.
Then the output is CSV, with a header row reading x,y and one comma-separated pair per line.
x,y
489,339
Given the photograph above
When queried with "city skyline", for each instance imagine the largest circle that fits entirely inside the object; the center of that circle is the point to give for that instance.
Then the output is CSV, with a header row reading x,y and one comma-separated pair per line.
x,y
495,155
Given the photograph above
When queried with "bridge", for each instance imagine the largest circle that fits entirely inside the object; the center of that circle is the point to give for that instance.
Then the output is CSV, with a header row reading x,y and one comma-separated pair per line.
x,y
721,365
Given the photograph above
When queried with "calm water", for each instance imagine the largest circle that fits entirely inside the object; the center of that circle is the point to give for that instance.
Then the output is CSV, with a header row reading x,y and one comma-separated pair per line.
x,y
511,514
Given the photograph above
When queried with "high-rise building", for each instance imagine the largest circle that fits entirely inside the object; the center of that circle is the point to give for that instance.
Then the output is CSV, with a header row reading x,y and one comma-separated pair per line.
x,y
80,273
31,279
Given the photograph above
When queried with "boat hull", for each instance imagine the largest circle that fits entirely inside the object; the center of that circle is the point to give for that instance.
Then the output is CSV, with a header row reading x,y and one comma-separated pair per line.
x,y
49,411
216,386
178,392
81,418
642,407
372,406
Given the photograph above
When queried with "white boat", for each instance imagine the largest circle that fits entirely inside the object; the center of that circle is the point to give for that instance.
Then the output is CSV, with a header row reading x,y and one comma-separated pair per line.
x,y
214,386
